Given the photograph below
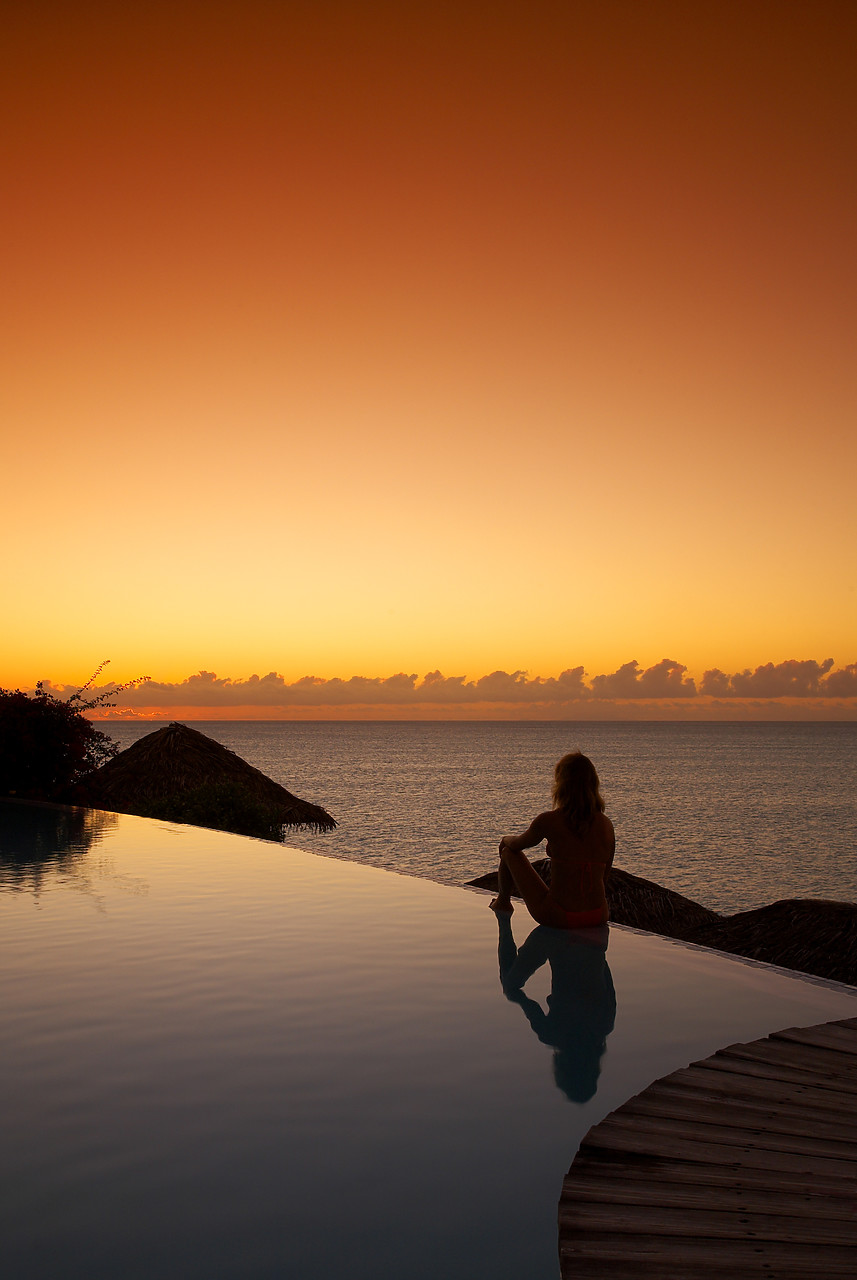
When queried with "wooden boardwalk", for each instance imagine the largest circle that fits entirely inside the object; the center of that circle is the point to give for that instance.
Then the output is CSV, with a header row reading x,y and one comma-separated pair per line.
x,y
742,1165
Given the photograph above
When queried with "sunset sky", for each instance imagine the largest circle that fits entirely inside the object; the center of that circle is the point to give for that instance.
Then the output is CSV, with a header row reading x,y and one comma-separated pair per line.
x,y
347,339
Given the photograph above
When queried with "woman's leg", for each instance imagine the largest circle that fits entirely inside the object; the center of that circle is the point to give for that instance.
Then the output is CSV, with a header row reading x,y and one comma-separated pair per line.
x,y
518,873
505,889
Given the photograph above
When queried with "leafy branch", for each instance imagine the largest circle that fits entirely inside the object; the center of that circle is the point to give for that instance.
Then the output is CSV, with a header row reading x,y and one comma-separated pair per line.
x,y
47,745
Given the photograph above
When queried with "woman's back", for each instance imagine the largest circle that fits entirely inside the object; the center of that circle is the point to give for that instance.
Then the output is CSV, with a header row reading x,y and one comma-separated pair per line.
x,y
579,860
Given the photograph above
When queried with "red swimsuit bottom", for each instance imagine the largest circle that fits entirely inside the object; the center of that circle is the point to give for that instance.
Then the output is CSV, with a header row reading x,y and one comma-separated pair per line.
x,y
585,919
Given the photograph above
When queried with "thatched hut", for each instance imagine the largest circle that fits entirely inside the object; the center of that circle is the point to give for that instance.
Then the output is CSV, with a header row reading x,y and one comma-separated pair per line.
x,y
179,774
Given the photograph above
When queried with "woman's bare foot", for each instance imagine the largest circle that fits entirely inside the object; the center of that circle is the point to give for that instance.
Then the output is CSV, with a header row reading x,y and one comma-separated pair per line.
x,y
502,906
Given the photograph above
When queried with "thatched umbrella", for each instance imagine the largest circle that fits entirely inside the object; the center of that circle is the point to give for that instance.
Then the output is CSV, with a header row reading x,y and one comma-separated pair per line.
x,y
813,935
644,904
179,774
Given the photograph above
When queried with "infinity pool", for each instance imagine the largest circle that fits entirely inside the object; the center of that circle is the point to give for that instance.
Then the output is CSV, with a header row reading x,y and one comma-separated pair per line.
x,y
223,1058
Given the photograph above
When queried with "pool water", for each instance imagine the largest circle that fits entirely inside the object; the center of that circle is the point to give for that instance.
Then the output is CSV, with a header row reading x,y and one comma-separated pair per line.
x,y
224,1058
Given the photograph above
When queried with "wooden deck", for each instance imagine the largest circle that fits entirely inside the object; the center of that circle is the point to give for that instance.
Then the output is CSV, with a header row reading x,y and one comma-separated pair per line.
x,y
742,1165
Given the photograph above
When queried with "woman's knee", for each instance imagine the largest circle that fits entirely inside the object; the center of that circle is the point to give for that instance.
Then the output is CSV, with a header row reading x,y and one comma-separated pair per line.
x,y
513,860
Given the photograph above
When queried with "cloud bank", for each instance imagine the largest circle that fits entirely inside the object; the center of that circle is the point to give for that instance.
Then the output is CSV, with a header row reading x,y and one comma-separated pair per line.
x,y
662,687
790,679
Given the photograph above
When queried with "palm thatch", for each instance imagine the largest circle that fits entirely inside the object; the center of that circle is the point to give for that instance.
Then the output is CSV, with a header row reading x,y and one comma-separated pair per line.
x,y
813,935
179,774
806,934
643,904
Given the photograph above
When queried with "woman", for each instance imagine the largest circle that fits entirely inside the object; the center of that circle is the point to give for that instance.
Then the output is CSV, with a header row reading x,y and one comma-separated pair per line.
x,y
580,845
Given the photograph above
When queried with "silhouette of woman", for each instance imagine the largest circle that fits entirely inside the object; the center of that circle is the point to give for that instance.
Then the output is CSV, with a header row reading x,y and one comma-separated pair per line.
x,y
580,845
581,1006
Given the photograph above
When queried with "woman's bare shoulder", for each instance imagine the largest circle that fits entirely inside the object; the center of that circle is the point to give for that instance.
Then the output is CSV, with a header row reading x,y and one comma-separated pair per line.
x,y
551,820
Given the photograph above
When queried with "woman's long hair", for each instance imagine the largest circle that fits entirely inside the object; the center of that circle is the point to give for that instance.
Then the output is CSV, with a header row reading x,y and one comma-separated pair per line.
x,y
576,791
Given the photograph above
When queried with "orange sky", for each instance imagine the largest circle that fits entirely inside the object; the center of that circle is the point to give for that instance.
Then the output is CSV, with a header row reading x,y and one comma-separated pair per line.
x,y
348,339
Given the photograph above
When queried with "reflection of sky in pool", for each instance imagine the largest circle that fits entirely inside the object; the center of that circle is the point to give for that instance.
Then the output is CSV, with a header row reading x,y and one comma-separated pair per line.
x,y
220,1058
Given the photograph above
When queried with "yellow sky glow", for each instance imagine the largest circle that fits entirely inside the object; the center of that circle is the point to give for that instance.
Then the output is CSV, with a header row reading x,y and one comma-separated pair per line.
x,y
377,339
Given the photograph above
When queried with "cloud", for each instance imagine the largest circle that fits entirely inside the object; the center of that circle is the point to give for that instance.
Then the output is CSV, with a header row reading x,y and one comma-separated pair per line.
x,y
207,689
790,679
631,688
842,683
715,683
664,680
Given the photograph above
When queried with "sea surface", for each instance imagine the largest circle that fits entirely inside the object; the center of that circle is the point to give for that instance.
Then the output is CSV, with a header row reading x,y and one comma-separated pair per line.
x,y
731,815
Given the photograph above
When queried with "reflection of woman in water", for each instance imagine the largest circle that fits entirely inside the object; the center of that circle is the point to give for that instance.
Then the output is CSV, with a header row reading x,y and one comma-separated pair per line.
x,y
581,1005
580,845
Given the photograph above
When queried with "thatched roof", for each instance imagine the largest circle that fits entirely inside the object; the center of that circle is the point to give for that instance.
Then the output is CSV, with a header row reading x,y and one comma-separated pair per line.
x,y
813,935
167,765
809,935
643,904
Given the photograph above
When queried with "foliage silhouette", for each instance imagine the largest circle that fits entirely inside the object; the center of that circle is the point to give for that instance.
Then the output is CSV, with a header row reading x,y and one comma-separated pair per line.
x,y
46,743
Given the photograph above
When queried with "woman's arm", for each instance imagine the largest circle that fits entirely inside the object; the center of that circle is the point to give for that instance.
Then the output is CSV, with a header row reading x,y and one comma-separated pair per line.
x,y
612,846
534,834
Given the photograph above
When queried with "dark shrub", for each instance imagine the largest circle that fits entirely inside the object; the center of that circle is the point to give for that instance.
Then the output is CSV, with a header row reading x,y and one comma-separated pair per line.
x,y
46,745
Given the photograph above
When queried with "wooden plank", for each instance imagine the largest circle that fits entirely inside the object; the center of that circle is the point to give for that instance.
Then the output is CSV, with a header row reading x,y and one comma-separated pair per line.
x,y
826,1063
582,1268
763,1068
617,1269
715,1223
747,1117
740,1136
769,1097
738,1257
829,1064
794,1045
611,1244
735,1157
696,1194
836,1039
599,1162
717,1085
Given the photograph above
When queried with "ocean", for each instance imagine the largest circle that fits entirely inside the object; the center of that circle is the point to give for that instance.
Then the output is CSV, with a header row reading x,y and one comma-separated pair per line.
x,y
731,815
